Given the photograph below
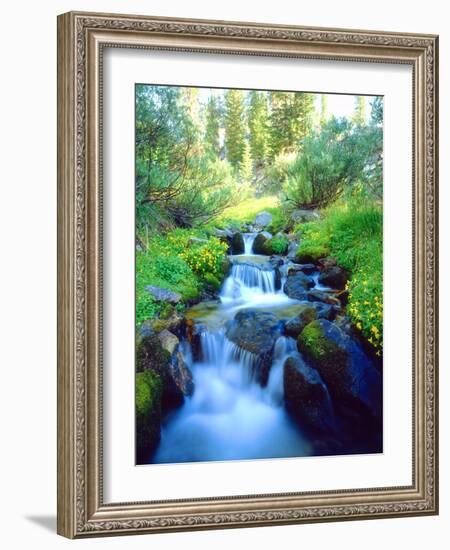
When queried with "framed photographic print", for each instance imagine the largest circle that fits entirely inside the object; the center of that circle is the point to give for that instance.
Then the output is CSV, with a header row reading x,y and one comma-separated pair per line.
x,y
247,284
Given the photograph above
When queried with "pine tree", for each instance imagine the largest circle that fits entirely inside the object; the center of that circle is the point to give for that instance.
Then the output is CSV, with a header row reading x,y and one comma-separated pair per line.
x,y
258,123
291,120
376,114
212,126
246,165
323,109
235,128
359,114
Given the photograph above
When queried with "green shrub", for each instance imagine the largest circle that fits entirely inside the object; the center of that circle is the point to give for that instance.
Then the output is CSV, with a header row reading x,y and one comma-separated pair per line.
x,y
275,173
314,241
280,220
212,281
206,258
146,307
276,245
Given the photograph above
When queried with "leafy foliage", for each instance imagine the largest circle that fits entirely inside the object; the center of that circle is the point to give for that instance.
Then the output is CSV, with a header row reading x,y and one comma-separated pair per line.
x,y
206,258
340,158
277,245
176,181
319,174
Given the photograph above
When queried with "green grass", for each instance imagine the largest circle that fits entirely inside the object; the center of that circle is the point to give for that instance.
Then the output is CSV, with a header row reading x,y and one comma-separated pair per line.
x,y
353,234
247,210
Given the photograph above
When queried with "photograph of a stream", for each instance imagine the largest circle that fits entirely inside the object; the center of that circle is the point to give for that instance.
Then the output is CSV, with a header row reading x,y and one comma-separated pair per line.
x,y
259,269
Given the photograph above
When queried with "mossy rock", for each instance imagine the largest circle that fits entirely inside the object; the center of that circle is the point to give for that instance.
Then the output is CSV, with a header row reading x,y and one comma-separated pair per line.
x,y
314,344
259,244
150,355
276,245
351,377
225,266
306,314
237,244
148,414
212,283
174,323
309,253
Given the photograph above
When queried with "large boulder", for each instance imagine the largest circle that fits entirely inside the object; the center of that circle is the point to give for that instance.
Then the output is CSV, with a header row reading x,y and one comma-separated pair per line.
x,y
148,393
163,294
333,277
255,331
306,396
297,285
326,262
168,341
194,334
181,374
150,354
323,296
158,353
262,220
353,381
325,311
292,248
173,321
237,244
305,315
302,216
223,234
260,241
308,269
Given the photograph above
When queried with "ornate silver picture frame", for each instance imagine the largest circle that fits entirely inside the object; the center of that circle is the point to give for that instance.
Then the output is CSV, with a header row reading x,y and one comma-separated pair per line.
x,y
82,39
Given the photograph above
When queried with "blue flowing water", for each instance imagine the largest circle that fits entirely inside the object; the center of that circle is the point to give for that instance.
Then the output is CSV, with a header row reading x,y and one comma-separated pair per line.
x,y
230,416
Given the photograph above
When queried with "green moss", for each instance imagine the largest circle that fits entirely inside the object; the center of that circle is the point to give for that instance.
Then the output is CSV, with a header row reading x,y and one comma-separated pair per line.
x,y
148,413
276,245
211,281
310,252
312,342
148,392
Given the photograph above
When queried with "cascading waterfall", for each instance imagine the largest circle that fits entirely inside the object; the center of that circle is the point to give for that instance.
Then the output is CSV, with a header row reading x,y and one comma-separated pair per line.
x,y
284,347
230,416
246,280
249,239
218,350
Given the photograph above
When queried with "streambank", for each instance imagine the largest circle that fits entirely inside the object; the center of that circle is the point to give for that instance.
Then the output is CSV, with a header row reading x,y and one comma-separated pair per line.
x,y
273,366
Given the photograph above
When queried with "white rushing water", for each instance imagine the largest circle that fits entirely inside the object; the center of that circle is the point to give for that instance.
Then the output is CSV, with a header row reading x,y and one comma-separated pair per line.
x,y
230,416
249,239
